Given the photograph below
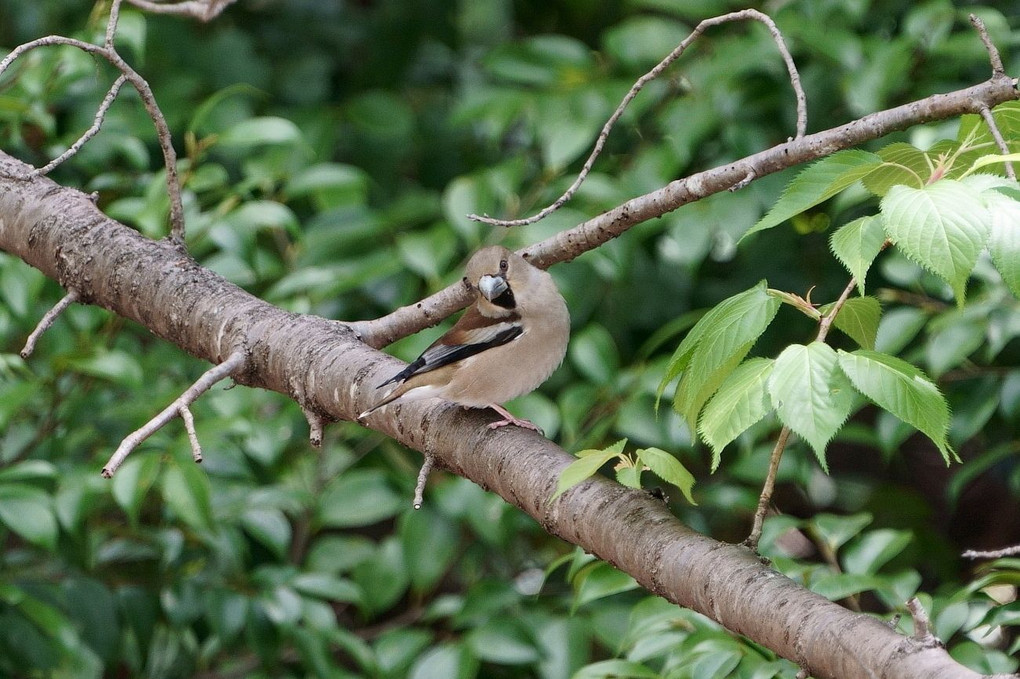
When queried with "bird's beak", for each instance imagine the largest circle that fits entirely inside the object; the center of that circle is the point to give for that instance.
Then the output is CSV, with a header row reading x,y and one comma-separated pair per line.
x,y
492,287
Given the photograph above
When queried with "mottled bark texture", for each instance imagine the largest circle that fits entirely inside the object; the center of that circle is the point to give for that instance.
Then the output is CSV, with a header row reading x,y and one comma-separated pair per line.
x,y
329,372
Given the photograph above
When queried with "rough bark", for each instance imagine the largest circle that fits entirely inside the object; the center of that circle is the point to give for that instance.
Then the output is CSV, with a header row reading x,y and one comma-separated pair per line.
x,y
322,365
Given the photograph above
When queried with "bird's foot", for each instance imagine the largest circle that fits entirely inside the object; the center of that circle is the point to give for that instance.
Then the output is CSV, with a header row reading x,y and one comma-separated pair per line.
x,y
509,418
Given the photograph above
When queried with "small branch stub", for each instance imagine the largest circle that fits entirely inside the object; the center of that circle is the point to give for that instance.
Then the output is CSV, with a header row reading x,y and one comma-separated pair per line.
x,y
315,426
178,408
922,626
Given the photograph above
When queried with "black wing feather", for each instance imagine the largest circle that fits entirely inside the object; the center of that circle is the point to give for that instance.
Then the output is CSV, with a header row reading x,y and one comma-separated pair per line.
x,y
438,355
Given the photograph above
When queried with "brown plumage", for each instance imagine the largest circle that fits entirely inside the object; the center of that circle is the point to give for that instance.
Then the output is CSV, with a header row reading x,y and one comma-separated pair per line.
x,y
506,344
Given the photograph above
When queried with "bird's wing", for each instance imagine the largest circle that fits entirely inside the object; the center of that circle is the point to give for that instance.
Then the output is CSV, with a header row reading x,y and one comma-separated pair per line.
x,y
473,334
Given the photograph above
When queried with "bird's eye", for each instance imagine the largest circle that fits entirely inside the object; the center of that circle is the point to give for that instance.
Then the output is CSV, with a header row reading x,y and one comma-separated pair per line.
x,y
502,265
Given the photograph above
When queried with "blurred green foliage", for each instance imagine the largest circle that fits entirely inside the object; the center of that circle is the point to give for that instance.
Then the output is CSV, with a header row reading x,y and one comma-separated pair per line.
x,y
330,153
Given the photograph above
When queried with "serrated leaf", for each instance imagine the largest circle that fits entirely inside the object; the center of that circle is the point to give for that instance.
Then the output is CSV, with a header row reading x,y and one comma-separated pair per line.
x,y
818,183
858,318
903,390
943,227
741,401
856,245
974,130
583,467
902,164
724,336
993,159
669,469
1004,239
811,394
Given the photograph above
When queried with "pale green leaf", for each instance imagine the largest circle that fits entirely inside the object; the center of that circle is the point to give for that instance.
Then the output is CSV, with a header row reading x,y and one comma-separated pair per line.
x,y
669,469
858,318
901,164
818,183
811,394
993,159
1004,242
943,227
584,467
974,130
741,401
723,338
903,390
258,131
856,245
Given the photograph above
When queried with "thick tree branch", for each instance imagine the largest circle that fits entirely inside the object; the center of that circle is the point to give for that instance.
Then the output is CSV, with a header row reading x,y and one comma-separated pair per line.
x,y
588,235
60,232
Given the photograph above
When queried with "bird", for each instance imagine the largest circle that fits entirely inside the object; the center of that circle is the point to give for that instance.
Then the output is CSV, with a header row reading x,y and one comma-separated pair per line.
x,y
505,345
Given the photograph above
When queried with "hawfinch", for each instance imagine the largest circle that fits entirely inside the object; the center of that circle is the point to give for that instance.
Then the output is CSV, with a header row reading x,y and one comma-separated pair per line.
x,y
506,344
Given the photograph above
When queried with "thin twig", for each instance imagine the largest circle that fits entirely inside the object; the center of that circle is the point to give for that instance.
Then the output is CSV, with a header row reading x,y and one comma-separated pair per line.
x,y
189,426
992,554
742,15
423,476
202,385
993,52
47,320
986,113
825,324
110,54
111,95
766,492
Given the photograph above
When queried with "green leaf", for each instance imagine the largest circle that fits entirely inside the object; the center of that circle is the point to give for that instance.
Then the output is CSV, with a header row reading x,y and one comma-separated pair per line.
x,y
1004,241
598,580
874,549
359,497
818,183
588,463
993,159
722,339
325,586
903,390
133,480
504,642
943,227
856,245
452,660
858,318
741,401
28,512
594,354
270,527
902,164
810,393
974,129
669,469
615,669
187,492
259,131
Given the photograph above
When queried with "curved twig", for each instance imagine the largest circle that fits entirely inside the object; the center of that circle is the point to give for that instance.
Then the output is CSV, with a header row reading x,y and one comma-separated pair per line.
x,y
47,320
742,15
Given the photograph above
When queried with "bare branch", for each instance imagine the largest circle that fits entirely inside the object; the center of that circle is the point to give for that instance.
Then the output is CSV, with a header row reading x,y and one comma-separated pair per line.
x,y
993,52
743,15
189,426
566,245
47,320
178,407
110,54
108,100
203,10
992,554
986,113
